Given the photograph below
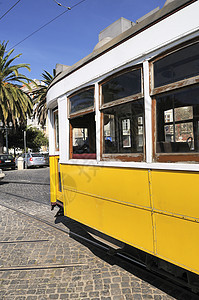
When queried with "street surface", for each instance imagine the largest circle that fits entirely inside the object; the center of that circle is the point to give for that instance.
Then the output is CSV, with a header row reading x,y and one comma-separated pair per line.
x,y
39,262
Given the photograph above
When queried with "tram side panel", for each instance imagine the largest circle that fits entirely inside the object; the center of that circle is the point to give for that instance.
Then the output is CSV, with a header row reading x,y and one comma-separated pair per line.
x,y
56,195
176,210
53,181
114,201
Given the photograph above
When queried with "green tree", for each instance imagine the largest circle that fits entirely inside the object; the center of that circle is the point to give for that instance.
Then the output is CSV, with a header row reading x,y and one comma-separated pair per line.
x,y
35,139
16,137
40,98
15,104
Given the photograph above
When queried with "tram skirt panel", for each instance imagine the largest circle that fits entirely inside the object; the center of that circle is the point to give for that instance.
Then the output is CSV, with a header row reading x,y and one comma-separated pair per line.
x,y
112,200
176,215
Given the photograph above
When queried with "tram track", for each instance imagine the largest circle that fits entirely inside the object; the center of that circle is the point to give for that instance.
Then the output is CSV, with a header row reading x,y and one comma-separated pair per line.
x,y
41,267
128,260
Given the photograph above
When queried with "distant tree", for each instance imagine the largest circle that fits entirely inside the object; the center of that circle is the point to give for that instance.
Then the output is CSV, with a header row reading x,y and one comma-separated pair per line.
x,y
16,138
15,104
35,138
40,98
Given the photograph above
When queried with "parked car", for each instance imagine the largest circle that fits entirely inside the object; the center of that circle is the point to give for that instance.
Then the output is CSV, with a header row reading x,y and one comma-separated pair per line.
x,y
33,160
2,175
46,156
7,161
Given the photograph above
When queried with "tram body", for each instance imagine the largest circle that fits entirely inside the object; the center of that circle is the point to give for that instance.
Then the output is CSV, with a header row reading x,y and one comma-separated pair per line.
x,y
137,178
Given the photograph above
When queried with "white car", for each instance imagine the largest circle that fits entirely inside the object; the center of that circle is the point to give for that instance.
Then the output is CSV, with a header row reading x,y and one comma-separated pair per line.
x,y
33,160
2,175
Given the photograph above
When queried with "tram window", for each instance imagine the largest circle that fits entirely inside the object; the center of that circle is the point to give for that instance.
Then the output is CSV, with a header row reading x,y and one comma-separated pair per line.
x,y
122,86
56,130
177,122
123,128
82,101
179,65
83,137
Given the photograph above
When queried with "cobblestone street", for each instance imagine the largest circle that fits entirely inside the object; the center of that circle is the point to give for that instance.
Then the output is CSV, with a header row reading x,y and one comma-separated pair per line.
x,y
39,262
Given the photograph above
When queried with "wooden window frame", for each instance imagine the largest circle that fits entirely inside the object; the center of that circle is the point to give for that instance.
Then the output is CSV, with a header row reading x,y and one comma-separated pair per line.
x,y
172,157
125,99
175,85
169,88
124,157
55,113
83,111
75,115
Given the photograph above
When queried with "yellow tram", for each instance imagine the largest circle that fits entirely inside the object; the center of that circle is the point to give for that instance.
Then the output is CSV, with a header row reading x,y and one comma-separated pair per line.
x,y
124,136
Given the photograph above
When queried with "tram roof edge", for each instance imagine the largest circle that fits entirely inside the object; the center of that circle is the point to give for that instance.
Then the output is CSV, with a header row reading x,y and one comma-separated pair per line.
x,y
161,14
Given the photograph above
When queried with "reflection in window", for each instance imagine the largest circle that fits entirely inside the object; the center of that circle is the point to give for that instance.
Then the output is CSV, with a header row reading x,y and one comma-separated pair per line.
x,y
83,136
178,122
126,133
82,100
176,66
122,86
123,128
56,130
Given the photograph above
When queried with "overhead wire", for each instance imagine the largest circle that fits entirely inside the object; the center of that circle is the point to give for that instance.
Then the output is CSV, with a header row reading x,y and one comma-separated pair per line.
x,y
68,9
58,3
9,9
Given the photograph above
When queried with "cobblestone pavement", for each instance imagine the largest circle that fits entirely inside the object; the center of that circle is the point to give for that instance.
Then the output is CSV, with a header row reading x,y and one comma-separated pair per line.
x,y
40,262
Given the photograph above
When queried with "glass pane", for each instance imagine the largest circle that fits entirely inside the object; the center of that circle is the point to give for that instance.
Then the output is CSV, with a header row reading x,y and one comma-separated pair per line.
x,y
83,135
80,140
122,86
169,133
82,101
56,126
177,66
178,122
123,128
126,133
168,116
183,131
183,113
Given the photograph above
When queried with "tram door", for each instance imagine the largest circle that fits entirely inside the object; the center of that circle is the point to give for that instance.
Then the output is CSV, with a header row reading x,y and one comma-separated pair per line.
x,y
59,195
55,166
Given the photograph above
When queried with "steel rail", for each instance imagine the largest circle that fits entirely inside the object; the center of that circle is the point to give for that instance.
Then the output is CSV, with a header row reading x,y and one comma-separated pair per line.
x,y
39,267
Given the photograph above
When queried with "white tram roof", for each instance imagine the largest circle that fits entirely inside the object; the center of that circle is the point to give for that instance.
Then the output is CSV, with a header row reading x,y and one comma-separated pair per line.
x,y
169,8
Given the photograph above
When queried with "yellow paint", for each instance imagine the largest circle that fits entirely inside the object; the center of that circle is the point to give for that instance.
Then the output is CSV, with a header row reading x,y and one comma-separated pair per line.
x,y
52,179
110,200
176,207
120,221
150,210
178,241
55,194
109,183
176,192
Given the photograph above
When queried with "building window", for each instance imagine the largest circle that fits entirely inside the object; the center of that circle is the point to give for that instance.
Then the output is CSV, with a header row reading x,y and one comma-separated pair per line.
x,y
123,117
82,125
56,129
176,106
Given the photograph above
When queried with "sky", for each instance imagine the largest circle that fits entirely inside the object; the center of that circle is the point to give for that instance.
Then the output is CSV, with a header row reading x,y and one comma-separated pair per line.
x,y
69,37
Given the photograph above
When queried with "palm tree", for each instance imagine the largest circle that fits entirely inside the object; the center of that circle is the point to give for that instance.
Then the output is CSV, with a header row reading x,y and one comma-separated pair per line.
x,y
40,98
15,104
